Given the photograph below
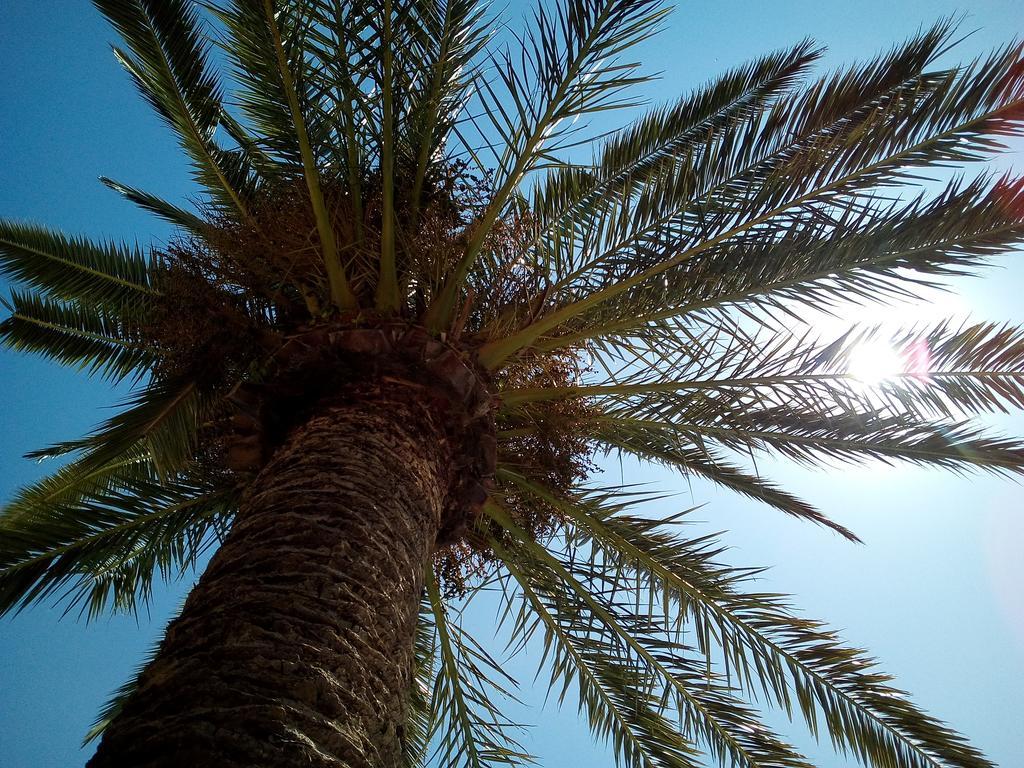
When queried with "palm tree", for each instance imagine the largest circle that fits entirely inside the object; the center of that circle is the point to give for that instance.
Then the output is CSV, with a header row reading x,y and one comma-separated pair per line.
x,y
376,361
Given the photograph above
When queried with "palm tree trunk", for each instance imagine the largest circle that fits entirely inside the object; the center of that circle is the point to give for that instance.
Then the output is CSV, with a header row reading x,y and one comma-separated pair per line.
x,y
295,648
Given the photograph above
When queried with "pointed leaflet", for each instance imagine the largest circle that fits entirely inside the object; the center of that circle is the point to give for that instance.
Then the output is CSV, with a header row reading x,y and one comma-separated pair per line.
x,y
666,671
468,728
75,269
73,335
167,59
570,76
770,648
165,210
105,544
576,198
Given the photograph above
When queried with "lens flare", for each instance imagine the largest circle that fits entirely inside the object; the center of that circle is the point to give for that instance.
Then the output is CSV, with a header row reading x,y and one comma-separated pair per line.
x,y
874,362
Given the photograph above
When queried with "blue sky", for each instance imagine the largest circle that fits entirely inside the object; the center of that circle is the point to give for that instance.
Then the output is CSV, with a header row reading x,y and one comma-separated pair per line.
x,y
934,593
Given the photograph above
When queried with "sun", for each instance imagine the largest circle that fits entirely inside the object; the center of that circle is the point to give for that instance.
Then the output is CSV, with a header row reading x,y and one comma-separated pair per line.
x,y
874,362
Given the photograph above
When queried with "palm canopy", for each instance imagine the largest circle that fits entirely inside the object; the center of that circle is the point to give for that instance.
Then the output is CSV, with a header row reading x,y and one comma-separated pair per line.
x,y
392,164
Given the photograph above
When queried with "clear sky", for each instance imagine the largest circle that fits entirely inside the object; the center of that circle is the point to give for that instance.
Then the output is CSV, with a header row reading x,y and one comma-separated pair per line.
x,y
935,593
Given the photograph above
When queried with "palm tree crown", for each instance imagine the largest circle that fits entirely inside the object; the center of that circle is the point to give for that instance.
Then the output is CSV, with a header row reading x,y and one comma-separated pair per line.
x,y
392,194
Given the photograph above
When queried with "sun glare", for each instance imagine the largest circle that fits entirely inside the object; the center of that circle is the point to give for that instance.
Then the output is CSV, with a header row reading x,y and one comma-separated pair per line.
x,y
873,362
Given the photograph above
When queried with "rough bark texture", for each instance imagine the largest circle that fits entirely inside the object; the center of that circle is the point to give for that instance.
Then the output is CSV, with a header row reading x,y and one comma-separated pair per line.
x,y
295,648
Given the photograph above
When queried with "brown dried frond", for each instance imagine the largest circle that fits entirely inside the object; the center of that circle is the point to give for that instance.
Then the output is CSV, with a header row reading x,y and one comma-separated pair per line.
x,y
275,253
201,326
511,287
542,444
460,564
276,250
453,199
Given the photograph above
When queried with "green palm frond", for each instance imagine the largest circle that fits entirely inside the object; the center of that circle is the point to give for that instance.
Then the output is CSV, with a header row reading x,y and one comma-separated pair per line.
x,y
768,650
100,538
954,371
167,58
288,55
250,157
338,40
818,158
169,212
573,200
262,94
571,57
691,209
271,64
164,418
387,298
416,741
73,482
703,706
468,726
812,439
875,253
73,334
735,148
948,370
693,457
74,269
455,34
791,395
612,695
